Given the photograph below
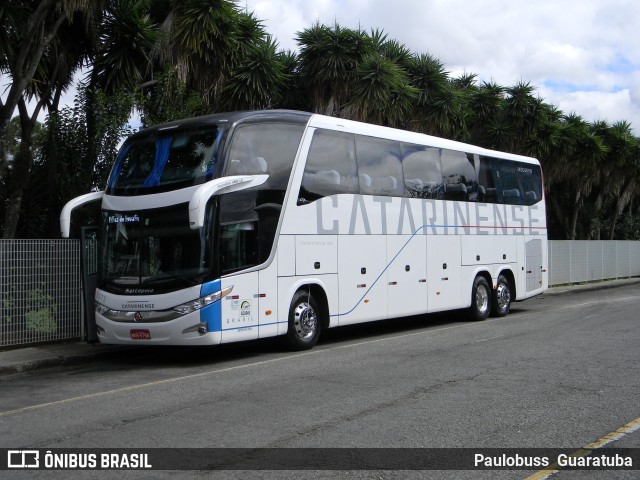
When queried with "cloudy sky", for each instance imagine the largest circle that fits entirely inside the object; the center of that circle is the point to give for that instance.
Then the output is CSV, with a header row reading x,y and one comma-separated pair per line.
x,y
581,55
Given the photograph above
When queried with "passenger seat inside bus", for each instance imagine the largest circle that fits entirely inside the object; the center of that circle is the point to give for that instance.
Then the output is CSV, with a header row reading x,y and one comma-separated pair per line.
x,y
512,196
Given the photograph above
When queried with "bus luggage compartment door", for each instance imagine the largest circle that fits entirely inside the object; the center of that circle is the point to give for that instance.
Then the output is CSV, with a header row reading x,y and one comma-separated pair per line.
x,y
362,278
406,275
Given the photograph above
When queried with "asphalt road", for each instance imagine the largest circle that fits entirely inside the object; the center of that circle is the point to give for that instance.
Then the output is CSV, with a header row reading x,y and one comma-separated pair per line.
x,y
561,371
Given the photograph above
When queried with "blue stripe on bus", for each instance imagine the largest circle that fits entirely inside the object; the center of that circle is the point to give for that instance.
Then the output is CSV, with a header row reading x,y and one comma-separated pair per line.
x,y
212,314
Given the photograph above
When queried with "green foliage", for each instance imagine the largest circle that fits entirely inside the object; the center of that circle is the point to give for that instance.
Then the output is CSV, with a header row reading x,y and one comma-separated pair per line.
x,y
79,172
258,81
168,98
172,59
41,312
128,39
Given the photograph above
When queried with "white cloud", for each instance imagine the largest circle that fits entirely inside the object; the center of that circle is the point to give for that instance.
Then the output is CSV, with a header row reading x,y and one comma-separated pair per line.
x,y
580,54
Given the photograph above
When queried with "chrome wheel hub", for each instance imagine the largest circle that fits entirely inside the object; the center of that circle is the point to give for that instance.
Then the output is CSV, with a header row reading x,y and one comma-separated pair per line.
x,y
503,296
305,321
482,299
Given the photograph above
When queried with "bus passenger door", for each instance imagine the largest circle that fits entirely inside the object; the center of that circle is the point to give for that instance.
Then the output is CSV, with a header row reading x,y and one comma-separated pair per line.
x,y
406,275
444,275
240,308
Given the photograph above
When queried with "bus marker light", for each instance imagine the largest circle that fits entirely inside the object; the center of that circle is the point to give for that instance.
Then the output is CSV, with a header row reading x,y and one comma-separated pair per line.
x,y
268,312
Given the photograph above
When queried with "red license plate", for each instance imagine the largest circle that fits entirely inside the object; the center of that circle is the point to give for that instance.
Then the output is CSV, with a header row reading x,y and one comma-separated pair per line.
x,y
140,334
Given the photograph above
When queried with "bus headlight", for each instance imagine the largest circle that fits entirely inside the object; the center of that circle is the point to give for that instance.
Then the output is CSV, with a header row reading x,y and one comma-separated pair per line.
x,y
202,302
101,309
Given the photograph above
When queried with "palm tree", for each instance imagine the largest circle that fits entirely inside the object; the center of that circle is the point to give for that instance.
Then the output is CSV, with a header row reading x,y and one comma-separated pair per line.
x,y
45,43
484,103
28,29
381,92
439,107
198,40
574,170
328,60
522,111
620,169
258,81
294,96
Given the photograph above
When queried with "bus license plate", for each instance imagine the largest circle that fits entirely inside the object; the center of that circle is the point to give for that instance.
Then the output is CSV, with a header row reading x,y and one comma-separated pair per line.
x,y
140,334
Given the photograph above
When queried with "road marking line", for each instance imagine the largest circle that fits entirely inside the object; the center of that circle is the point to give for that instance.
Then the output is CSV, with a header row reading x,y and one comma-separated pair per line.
x,y
316,351
614,436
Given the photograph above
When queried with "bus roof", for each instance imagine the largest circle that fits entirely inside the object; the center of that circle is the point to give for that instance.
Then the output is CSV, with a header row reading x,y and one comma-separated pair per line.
x,y
333,123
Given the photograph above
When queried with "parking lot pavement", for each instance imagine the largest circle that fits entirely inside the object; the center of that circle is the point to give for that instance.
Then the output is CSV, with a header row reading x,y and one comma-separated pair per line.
x,y
17,360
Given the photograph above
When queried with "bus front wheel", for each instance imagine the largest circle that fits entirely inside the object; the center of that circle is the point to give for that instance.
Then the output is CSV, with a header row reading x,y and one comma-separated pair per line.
x,y
480,299
304,322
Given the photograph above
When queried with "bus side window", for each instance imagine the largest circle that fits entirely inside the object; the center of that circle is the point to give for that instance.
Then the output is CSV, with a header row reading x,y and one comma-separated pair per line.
x,y
379,167
459,173
330,168
531,180
512,191
265,148
422,172
489,185
238,233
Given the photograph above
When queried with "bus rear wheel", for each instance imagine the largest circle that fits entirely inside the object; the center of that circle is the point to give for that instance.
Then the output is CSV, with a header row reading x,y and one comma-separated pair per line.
x,y
501,297
304,322
480,299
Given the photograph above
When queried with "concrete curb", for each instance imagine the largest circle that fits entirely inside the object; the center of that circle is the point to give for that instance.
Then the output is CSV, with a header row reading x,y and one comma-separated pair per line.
x,y
26,359
586,287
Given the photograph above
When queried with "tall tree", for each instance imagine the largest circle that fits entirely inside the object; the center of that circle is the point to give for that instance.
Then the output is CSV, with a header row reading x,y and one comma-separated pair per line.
x,y
258,81
28,29
32,58
438,109
380,91
328,59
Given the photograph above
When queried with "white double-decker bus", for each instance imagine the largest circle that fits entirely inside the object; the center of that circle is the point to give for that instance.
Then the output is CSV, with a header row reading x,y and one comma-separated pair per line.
x,y
247,225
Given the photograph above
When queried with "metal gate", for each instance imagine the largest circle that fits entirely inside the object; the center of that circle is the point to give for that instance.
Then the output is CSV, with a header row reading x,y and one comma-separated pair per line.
x,y
40,291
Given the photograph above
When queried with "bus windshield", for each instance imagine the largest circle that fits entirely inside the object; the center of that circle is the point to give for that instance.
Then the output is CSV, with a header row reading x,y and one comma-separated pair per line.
x,y
152,251
165,160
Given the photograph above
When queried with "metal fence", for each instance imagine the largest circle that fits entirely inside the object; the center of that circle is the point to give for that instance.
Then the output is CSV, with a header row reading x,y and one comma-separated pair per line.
x,y
41,291
579,261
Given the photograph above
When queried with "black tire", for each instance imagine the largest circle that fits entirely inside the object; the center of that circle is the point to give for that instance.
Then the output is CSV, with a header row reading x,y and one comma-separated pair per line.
x,y
480,299
501,301
305,323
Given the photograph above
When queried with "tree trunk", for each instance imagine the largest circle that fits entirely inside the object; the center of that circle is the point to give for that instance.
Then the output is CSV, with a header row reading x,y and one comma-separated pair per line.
x,y
20,174
24,64
52,167
574,216
614,219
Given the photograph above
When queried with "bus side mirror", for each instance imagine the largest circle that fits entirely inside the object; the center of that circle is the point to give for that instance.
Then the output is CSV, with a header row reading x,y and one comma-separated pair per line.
x,y
201,196
65,215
